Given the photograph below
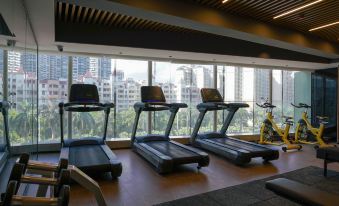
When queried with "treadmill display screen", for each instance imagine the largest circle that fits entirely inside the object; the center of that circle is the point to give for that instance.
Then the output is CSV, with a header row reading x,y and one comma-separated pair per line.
x,y
152,94
211,95
84,93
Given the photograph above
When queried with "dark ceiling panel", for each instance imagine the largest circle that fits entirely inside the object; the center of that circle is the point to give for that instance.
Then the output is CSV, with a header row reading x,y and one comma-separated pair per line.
x,y
77,24
316,15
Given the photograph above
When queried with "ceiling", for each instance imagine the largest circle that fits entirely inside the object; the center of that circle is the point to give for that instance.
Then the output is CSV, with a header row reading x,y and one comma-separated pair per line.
x,y
319,14
129,21
71,13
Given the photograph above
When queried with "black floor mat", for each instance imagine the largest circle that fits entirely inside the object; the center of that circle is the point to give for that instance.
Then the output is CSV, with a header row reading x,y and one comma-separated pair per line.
x,y
254,193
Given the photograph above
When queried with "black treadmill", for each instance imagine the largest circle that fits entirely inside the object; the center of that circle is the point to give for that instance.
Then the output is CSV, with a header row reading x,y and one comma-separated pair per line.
x,y
159,150
239,151
89,154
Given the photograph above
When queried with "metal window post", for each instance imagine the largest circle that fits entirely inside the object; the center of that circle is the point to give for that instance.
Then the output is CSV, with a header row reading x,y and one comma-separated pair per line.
x,y
215,86
5,76
270,96
149,116
70,80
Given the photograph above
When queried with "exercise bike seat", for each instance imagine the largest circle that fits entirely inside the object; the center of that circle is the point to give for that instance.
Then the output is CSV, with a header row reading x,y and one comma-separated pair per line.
x,y
287,118
322,117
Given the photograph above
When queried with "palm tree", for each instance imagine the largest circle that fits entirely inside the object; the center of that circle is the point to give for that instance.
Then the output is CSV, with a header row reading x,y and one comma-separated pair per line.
x,y
24,121
83,122
49,121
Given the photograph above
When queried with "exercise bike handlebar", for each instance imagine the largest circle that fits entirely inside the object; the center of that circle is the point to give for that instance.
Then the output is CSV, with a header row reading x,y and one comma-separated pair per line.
x,y
265,105
301,105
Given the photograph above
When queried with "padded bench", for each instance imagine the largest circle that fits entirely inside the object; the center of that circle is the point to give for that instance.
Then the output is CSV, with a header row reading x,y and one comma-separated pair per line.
x,y
328,154
301,193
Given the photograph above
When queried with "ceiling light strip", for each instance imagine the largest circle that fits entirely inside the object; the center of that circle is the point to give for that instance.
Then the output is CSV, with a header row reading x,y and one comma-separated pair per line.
x,y
224,1
324,26
297,9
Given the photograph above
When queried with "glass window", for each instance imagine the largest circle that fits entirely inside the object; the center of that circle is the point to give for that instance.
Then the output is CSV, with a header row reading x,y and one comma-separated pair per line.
x,y
288,93
129,76
53,82
97,71
237,85
182,83
261,93
22,92
277,94
282,94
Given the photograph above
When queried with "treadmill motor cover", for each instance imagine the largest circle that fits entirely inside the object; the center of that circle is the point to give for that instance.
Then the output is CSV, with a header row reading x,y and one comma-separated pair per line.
x,y
152,94
210,95
84,93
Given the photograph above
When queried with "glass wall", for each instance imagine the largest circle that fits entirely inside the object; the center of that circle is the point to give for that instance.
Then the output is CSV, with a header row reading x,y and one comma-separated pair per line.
x,y
243,85
182,83
283,94
22,95
129,76
119,81
53,86
262,91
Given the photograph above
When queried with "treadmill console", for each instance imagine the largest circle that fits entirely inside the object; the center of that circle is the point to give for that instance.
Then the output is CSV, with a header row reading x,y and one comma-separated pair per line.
x,y
210,95
84,93
152,94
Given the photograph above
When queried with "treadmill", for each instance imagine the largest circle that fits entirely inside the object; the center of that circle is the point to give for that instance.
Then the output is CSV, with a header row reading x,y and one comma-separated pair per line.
x,y
159,150
238,151
89,154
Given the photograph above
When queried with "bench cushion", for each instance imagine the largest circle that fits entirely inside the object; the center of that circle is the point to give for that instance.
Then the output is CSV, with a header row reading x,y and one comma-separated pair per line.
x,y
332,153
302,193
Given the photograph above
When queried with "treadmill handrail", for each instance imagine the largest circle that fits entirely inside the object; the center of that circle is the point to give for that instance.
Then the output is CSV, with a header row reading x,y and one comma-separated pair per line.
x,y
220,105
86,106
157,106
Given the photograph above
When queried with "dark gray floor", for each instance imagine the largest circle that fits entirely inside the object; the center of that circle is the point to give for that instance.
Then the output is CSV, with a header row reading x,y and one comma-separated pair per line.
x,y
254,193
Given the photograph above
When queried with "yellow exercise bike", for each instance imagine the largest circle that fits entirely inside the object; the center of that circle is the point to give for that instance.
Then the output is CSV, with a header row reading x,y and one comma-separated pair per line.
x,y
270,131
305,133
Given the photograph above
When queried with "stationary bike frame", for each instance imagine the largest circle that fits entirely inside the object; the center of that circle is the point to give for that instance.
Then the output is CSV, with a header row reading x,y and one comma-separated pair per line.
x,y
317,132
282,132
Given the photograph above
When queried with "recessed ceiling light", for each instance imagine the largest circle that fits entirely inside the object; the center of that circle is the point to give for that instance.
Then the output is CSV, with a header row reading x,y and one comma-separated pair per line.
x,y
324,26
224,1
297,9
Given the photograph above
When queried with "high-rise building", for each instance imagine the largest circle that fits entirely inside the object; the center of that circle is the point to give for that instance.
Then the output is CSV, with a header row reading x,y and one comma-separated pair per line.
x,y
53,67
28,62
80,66
14,61
262,84
104,68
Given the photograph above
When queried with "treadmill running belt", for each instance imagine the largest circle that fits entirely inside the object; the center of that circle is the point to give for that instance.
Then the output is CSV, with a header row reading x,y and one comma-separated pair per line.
x,y
84,156
171,149
238,144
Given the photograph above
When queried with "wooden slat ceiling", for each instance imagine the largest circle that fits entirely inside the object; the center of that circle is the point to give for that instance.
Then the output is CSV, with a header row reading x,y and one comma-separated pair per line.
x,y
316,15
70,13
